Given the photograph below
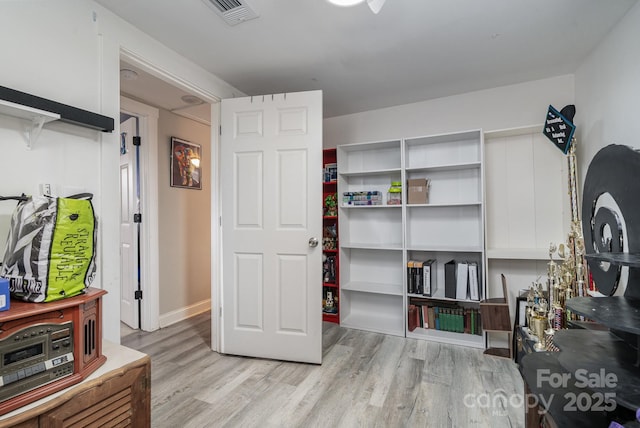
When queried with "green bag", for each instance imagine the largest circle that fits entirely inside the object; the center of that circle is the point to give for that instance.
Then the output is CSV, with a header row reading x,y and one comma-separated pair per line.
x,y
50,253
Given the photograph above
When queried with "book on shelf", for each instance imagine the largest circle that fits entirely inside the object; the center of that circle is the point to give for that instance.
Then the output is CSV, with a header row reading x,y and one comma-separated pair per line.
x,y
429,284
410,278
417,272
450,279
413,317
474,287
462,280
431,316
421,277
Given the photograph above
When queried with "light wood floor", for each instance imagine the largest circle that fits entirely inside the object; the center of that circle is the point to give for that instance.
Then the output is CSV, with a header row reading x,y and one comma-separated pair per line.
x,y
365,380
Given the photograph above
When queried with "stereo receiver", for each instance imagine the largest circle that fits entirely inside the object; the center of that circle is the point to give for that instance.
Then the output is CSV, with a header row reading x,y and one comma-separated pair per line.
x,y
34,356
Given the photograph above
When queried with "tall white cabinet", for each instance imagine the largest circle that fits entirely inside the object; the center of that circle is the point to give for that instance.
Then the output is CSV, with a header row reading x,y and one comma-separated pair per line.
x,y
377,241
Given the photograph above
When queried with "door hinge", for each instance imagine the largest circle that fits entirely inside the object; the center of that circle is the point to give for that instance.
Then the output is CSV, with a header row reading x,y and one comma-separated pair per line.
x,y
137,218
136,141
137,295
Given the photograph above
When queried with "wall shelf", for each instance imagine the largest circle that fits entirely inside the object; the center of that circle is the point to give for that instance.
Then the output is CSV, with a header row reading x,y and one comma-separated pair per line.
x,y
519,253
41,110
37,118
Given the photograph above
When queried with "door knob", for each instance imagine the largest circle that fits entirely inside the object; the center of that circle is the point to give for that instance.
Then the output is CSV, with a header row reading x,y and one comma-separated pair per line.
x,y
313,242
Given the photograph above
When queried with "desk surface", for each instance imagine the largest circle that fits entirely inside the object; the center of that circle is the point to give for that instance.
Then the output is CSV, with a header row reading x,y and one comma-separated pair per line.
x,y
118,356
20,309
594,371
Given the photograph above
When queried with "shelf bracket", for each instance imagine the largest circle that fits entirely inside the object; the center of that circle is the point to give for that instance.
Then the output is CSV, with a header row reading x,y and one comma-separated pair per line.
x,y
36,128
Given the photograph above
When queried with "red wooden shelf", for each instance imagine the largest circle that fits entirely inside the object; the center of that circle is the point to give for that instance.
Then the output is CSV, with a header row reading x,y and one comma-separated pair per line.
x,y
329,156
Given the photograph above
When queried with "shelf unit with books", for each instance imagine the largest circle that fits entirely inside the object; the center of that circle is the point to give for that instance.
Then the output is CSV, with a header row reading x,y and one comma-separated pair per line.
x,y
448,226
378,241
331,260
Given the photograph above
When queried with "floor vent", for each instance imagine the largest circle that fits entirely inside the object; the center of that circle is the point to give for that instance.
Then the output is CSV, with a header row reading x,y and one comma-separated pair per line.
x,y
232,11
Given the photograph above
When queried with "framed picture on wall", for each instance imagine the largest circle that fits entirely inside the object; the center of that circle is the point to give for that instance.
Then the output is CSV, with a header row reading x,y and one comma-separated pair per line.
x,y
185,164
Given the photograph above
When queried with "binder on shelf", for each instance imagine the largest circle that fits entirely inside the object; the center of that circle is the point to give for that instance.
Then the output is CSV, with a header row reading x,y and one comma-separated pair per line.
x,y
429,286
462,280
450,279
474,290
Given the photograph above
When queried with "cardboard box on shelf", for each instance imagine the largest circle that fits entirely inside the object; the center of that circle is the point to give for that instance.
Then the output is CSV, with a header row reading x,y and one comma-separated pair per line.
x,y
417,191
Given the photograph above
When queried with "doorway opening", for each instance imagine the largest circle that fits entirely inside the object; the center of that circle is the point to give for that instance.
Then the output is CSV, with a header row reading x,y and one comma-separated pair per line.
x,y
169,241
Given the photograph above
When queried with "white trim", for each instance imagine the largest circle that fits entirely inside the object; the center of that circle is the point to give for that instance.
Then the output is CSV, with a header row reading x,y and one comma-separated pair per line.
x,y
184,313
216,231
149,244
137,60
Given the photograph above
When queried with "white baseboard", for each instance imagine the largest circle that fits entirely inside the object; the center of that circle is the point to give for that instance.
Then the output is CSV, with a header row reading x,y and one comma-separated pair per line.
x,y
184,313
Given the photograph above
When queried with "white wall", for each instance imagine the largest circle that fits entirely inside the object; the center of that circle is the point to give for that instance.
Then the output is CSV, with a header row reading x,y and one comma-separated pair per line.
x,y
504,107
185,224
608,92
69,51
608,99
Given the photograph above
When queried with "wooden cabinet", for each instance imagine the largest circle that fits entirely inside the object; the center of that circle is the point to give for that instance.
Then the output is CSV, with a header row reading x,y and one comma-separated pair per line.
x,y
117,394
379,239
330,259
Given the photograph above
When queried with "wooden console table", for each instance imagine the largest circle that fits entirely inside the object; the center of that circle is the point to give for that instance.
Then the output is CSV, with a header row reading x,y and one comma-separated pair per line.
x,y
116,394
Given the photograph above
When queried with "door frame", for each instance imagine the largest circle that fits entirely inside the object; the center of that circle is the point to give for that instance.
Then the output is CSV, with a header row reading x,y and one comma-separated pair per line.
x,y
149,161
148,175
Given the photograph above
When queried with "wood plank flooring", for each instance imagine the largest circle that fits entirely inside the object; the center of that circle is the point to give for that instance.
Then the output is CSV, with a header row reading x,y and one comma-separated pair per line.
x,y
365,380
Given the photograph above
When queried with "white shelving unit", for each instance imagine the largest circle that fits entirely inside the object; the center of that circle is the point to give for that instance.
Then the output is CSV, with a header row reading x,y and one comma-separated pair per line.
x,y
371,249
378,241
451,225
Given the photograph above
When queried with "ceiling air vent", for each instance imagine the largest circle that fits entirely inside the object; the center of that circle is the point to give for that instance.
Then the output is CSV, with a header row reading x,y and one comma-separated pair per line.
x,y
232,11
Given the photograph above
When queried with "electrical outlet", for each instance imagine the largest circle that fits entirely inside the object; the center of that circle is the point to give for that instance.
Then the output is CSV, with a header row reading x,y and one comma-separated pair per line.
x,y
45,189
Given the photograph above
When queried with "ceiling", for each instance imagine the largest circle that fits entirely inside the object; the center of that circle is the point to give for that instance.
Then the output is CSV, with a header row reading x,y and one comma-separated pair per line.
x,y
413,50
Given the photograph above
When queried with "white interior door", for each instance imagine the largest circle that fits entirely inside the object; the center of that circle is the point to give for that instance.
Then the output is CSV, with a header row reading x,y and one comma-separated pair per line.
x,y
271,157
128,229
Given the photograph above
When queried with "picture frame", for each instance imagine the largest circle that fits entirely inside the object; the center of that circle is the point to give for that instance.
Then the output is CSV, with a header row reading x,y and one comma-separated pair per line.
x,y
521,314
186,170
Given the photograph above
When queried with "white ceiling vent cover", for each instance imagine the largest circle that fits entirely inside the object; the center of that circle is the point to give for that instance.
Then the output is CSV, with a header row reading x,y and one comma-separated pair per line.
x,y
232,11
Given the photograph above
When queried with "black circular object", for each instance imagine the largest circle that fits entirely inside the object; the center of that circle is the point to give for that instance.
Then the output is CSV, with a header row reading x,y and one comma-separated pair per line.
x,y
612,170
607,220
